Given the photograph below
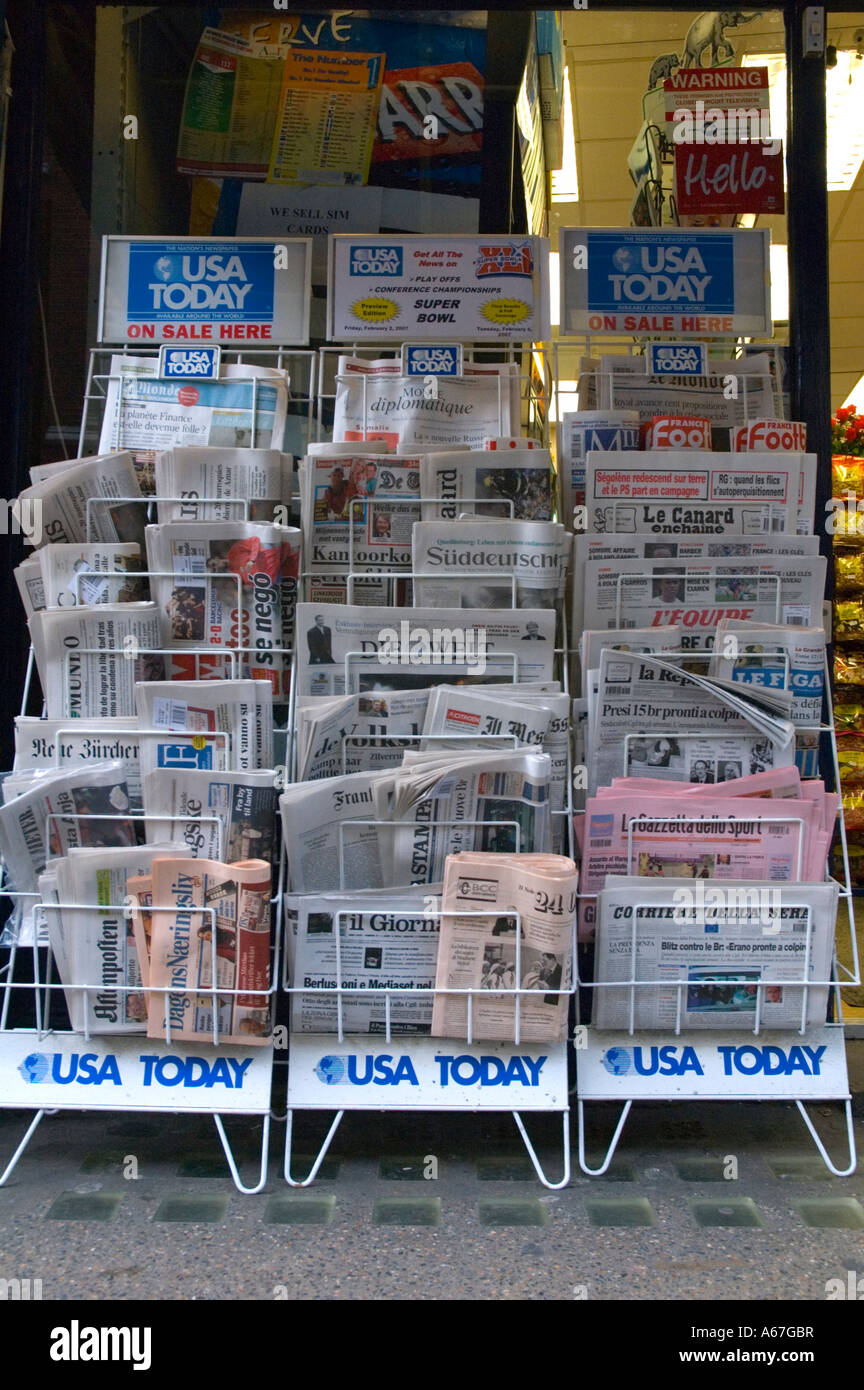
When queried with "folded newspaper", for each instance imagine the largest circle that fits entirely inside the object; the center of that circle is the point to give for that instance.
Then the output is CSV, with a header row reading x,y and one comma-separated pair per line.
x,y
223,484
380,947
497,564
245,408
210,953
216,815
508,925
226,724
90,660
345,646
226,593
512,484
57,743
357,513
374,401
94,943
61,575
82,500
716,955
57,810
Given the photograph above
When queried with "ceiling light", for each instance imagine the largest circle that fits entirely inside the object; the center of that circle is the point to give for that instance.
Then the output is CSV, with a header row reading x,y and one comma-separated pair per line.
x,y
565,182
844,98
779,284
856,395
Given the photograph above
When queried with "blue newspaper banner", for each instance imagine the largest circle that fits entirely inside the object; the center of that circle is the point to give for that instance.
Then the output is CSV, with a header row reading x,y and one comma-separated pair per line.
x,y
677,359
676,282
201,291
189,363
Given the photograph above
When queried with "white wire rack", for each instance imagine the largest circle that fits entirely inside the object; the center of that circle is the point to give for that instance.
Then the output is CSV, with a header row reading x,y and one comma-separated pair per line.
x,y
594,1044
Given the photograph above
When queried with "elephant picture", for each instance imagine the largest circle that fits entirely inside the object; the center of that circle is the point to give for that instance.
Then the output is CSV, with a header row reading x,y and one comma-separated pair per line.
x,y
661,68
707,31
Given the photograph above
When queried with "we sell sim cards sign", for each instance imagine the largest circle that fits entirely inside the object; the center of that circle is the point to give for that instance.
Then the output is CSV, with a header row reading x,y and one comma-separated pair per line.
x,y
674,281
218,290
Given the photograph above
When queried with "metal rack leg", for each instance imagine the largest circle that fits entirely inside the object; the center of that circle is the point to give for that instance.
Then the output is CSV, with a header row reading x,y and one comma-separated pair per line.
x,y
229,1155
322,1152
598,1172
850,1136
553,1186
10,1167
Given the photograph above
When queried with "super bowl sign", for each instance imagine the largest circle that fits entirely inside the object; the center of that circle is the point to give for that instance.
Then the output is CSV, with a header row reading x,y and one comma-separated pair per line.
x,y
224,290
425,289
669,281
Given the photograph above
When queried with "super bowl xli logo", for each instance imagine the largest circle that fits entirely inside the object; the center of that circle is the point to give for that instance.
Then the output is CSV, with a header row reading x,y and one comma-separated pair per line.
x,y
504,260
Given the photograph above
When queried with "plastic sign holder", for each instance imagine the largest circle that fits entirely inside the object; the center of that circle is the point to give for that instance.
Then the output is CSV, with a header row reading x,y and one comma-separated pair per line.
x,y
714,1066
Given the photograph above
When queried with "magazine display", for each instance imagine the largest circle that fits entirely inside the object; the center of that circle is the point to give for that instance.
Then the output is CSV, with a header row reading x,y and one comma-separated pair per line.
x,y
247,484
227,816
514,484
368,942
345,646
730,957
507,924
498,564
216,937
227,592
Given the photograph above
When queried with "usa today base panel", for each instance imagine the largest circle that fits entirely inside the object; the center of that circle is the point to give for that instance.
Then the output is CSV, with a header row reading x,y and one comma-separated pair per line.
x,y
65,1071
713,1065
424,1074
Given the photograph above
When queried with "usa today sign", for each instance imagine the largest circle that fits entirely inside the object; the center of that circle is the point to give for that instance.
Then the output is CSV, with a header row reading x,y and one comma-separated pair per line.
x,y
665,281
425,1074
713,1066
70,1072
227,291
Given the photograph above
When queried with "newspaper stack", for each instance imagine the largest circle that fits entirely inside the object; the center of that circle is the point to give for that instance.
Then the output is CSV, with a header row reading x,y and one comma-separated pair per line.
x,y
227,586
238,484
227,725
345,647
90,659
665,830
513,484
721,955
499,564
380,947
83,500
647,715
98,948
357,512
228,816
68,576
375,402
371,829
246,408
508,925
58,743
620,382
214,939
